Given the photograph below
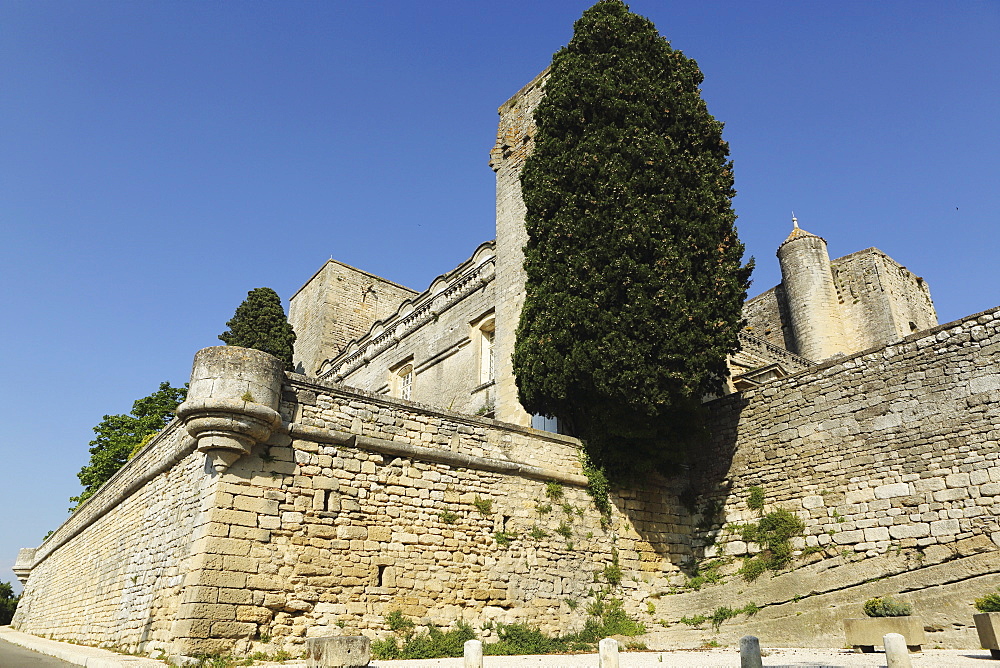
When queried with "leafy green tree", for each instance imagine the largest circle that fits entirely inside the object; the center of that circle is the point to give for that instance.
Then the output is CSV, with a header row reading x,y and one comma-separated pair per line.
x,y
635,281
260,323
118,436
8,603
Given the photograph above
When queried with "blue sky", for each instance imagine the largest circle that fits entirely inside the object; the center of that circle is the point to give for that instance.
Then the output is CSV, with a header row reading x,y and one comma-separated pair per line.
x,y
160,159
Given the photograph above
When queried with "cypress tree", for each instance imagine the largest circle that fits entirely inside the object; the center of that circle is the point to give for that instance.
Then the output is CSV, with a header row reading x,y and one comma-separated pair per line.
x,y
635,282
260,323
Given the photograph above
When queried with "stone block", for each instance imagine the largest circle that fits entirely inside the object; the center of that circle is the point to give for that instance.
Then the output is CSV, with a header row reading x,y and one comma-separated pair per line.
x,y
901,531
892,490
951,494
868,631
813,502
229,629
944,527
874,534
338,651
352,533
957,480
848,537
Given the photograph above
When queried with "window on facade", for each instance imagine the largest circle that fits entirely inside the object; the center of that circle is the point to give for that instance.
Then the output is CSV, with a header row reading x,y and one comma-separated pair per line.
x,y
487,361
545,423
406,382
401,380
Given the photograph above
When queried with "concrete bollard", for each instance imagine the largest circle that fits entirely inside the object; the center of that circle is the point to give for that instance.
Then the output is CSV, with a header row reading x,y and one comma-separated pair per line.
x,y
473,654
897,655
750,652
608,649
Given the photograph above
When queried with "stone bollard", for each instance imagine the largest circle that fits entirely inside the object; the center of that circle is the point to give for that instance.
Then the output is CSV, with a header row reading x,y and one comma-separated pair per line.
x,y
897,655
750,652
338,652
473,654
232,402
608,649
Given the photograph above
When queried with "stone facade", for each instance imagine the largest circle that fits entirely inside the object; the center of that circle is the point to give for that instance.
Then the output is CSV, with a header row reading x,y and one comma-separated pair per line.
x,y
338,304
824,308
283,506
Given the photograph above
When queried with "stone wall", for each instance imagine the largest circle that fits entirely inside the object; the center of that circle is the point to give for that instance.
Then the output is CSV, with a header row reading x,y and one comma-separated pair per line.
x,y
113,573
881,300
891,459
439,336
338,304
514,143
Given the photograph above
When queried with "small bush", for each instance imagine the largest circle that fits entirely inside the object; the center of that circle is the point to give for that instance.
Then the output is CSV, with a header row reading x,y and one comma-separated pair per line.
x,y
564,530
543,508
756,500
694,620
484,506
613,571
504,538
553,490
447,517
988,603
398,622
537,533
887,607
431,644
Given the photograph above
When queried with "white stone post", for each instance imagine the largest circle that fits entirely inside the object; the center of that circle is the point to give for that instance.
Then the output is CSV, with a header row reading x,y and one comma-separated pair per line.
x,y
608,649
473,654
750,652
896,653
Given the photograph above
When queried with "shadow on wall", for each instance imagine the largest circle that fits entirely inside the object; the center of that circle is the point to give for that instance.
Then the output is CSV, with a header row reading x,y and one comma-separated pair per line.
x,y
680,516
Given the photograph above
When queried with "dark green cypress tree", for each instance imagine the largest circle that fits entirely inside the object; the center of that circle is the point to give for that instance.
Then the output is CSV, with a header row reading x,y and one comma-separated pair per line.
x,y
635,282
260,323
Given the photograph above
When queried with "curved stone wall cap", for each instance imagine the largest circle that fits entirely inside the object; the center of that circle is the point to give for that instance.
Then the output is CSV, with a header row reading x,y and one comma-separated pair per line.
x,y
799,233
210,405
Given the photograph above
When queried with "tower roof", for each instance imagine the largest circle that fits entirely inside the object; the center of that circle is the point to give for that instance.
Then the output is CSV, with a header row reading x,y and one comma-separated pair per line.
x,y
799,233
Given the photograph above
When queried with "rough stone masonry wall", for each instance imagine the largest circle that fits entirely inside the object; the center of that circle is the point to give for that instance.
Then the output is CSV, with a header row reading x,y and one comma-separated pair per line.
x,y
112,574
370,505
891,459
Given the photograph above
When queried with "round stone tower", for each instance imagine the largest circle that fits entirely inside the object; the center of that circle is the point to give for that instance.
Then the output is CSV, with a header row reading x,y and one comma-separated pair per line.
x,y
811,295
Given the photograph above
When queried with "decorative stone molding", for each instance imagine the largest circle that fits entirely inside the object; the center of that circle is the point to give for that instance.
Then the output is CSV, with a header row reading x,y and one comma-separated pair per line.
x,y
232,402
444,292
23,565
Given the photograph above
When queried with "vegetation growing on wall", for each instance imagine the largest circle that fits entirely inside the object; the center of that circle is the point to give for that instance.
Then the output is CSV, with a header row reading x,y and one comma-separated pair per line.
x,y
118,436
634,277
260,323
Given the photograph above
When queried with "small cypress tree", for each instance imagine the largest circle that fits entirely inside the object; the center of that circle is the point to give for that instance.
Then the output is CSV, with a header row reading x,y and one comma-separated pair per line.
x,y
635,282
260,323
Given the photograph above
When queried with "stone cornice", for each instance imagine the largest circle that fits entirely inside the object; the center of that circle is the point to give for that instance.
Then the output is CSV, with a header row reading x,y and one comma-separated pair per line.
x,y
443,293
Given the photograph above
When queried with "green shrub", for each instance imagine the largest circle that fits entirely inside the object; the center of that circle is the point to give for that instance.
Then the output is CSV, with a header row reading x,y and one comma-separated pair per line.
x,y
887,607
613,571
553,490
431,644
398,622
988,603
484,506
756,500
504,538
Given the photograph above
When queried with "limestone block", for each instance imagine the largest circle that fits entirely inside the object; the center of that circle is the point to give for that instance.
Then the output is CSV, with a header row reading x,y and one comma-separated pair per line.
x,y
929,484
352,533
901,531
848,537
944,527
876,534
338,651
954,494
957,480
859,495
813,502
892,490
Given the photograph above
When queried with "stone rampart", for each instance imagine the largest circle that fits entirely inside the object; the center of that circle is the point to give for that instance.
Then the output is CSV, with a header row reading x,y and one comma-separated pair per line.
x,y
891,459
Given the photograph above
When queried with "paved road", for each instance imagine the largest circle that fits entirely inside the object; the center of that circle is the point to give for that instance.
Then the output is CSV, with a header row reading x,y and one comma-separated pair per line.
x,y
13,656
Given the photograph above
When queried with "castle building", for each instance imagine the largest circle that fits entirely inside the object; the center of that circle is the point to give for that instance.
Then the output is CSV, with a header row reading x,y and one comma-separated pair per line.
x,y
450,346
397,472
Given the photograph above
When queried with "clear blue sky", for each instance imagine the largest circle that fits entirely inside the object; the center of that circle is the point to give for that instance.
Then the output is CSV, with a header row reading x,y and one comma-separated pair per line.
x,y
160,159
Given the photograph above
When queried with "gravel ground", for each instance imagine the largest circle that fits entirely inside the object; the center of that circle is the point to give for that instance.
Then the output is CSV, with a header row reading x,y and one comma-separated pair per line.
x,y
723,658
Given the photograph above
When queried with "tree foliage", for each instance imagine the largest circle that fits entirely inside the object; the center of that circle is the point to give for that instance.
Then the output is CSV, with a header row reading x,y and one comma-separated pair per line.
x,y
635,282
8,603
118,436
260,323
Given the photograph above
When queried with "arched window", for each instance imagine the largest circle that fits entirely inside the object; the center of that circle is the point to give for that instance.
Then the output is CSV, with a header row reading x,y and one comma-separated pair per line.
x,y
487,355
